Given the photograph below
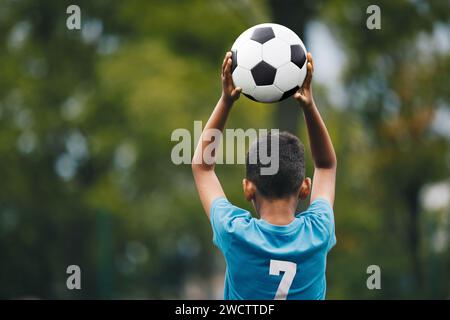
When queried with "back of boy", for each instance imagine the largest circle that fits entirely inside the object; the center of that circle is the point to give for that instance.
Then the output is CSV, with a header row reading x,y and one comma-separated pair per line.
x,y
281,255
266,261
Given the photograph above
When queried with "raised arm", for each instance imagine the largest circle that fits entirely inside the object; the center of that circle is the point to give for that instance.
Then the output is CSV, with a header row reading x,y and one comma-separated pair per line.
x,y
322,150
203,162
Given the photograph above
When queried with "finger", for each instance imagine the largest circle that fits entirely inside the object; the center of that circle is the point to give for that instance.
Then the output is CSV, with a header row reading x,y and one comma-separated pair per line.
x,y
308,78
297,95
310,60
224,63
225,59
228,69
236,92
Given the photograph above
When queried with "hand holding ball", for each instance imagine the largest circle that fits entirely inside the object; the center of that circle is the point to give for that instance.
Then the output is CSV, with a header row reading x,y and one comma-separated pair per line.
x,y
269,62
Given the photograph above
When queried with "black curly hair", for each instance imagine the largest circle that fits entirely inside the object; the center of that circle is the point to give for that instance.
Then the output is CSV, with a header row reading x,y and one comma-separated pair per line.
x,y
291,172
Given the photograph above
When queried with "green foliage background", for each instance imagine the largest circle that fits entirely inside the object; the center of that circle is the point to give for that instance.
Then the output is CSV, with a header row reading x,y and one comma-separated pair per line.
x,y
85,124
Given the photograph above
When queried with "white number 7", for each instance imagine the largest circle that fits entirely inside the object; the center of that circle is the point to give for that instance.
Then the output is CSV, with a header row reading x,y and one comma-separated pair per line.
x,y
290,269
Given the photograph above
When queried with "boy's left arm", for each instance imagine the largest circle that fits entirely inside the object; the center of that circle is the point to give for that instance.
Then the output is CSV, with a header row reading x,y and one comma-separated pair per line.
x,y
322,149
206,181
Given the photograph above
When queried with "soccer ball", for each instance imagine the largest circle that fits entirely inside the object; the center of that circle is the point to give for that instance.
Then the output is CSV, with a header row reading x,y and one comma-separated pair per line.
x,y
269,62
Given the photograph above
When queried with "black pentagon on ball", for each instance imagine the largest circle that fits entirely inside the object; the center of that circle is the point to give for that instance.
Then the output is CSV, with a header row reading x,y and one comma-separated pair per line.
x,y
298,55
233,60
289,93
263,74
263,34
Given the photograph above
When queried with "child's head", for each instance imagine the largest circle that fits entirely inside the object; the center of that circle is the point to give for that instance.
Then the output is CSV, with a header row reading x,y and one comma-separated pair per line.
x,y
288,181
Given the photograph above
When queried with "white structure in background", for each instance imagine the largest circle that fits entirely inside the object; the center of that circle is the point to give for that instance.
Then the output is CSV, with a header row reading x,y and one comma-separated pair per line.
x,y
330,61
435,199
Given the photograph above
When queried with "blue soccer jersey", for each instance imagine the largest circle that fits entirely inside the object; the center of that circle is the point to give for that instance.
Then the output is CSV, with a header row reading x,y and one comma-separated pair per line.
x,y
266,261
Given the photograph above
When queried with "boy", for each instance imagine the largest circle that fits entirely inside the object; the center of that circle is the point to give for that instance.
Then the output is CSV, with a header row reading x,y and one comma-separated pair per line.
x,y
282,255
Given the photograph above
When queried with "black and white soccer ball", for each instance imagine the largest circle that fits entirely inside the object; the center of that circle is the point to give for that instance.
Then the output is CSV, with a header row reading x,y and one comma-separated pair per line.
x,y
269,62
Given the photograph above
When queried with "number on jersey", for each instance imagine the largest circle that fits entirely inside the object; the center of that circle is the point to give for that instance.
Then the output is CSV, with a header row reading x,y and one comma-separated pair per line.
x,y
289,269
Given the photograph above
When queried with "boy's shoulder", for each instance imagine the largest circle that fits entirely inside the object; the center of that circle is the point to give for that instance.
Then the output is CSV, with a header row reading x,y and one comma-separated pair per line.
x,y
222,206
311,229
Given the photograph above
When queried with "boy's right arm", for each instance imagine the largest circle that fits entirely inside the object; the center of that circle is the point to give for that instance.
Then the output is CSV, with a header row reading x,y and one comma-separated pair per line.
x,y
321,146
206,181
